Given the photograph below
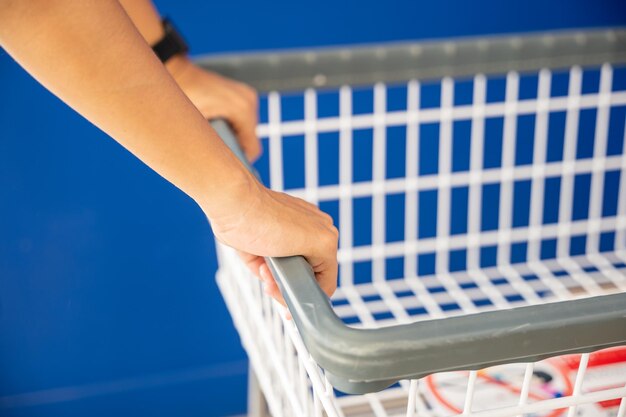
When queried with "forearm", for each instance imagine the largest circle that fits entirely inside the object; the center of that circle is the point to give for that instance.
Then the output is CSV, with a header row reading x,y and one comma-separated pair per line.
x,y
212,94
90,55
147,20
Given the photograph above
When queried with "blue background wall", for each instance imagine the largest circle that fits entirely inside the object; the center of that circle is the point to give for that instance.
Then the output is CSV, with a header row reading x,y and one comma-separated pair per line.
x,y
107,297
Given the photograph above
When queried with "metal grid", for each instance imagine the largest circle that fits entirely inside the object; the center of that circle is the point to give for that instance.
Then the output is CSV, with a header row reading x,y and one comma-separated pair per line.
x,y
557,251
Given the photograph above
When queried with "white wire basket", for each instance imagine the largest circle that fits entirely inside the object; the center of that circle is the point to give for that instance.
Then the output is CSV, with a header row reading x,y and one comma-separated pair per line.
x,y
495,190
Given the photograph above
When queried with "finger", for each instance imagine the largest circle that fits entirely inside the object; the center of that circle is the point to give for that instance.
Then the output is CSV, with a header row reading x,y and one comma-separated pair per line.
x,y
245,123
249,142
244,128
271,288
247,92
259,268
243,116
253,262
327,279
325,275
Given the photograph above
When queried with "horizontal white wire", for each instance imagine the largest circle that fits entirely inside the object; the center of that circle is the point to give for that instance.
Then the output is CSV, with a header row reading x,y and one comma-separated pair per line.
x,y
463,241
546,282
461,178
431,115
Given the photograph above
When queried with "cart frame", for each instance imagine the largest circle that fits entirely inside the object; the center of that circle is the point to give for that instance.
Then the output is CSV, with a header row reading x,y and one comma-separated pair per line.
x,y
362,360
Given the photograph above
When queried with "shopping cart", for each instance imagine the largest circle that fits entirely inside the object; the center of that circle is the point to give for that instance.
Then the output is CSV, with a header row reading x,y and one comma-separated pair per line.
x,y
478,188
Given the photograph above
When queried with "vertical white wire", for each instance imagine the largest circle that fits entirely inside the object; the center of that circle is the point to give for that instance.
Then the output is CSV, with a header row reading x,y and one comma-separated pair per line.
x,y
345,182
566,202
578,385
476,170
412,203
412,170
593,249
380,282
569,162
328,388
528,376
292,364
508,162
444,210
316,378
317,405
378,212
537,183
538,168
444,170
378,182
566,194
620,234
310,145
538,178
303,386
276,149
622,408
412,405
276,323
469,394
273,379
505,210
599,155
475,194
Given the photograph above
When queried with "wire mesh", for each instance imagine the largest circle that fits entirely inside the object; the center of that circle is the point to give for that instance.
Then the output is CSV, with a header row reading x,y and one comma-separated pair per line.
x,y
451,197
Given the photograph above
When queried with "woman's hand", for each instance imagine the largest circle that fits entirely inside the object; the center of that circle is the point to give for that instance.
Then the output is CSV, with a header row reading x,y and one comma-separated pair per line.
x,y
261,222
269,223
219,97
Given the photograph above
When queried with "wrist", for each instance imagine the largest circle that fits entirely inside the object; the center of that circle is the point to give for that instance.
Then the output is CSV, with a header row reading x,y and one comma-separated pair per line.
x,y
177,65
225,198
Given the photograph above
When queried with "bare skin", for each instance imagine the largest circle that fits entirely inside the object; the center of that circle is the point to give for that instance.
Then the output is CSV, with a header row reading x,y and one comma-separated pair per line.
x,y
90,55
214,95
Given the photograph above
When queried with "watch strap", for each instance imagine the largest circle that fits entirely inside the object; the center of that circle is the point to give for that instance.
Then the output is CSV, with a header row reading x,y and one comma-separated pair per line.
x,y
171,44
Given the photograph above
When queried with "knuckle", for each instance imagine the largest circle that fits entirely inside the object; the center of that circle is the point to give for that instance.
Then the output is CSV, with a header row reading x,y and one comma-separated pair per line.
x,y
241,106
251,107
331,238
251,94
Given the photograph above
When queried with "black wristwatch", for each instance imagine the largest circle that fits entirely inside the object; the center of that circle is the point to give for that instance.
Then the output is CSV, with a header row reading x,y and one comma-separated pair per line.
x,y
171,44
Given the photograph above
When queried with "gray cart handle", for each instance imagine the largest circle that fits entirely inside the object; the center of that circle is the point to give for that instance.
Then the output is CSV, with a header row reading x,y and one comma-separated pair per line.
x,y
359,361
